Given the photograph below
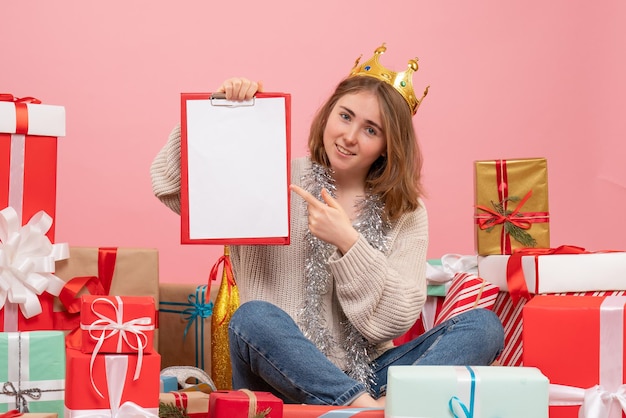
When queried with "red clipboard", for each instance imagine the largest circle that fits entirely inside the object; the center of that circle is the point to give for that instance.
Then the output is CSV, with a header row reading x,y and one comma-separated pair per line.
x,y
235,169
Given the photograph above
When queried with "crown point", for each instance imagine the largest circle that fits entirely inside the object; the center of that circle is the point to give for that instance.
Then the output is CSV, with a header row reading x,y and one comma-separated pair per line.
x,y
400,81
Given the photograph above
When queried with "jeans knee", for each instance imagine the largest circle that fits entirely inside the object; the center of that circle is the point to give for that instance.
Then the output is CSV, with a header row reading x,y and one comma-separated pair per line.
x,y
491,328
253,316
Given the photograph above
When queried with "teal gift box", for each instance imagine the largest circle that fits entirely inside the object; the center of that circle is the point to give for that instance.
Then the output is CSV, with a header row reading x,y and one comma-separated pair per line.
x,y
464,391
32,371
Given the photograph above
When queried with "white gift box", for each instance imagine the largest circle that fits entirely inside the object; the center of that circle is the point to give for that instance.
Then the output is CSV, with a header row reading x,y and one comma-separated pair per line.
x,y
558,273
43,119
477,391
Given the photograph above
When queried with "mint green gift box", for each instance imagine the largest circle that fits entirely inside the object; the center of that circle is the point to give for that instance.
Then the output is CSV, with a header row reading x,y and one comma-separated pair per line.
x,y
32,371
463,391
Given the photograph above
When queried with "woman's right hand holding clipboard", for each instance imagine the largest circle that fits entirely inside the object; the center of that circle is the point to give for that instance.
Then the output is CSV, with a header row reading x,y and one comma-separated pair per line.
x,y
239,88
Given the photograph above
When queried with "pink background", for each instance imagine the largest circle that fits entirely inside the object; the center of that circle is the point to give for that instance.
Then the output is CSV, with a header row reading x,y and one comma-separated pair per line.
x,y
510,79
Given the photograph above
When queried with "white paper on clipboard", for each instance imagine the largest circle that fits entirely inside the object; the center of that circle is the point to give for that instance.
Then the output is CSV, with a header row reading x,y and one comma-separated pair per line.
x,y
237,170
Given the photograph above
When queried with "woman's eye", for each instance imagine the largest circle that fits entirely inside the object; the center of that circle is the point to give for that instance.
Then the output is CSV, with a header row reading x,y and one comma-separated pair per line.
x,y
344,116
371,131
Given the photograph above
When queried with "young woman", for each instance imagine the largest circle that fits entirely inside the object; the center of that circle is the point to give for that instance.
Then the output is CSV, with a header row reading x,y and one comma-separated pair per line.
x,y
317,317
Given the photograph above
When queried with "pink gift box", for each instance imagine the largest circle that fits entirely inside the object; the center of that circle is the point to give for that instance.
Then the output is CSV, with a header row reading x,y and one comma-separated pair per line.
x,y
113,382
117,324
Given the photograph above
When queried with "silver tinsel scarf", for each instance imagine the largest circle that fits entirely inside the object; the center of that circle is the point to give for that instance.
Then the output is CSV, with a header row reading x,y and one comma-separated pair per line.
x,y
372,225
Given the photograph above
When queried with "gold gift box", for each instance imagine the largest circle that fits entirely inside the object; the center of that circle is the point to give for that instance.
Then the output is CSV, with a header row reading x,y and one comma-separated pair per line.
x,y
181,303
511,206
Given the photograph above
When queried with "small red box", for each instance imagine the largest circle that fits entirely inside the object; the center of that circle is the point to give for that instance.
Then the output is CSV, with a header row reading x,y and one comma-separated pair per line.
x,y
235,404
89,388
117,324
577,341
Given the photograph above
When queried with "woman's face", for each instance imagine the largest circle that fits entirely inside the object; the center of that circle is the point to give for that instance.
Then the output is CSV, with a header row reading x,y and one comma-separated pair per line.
x,y
353,136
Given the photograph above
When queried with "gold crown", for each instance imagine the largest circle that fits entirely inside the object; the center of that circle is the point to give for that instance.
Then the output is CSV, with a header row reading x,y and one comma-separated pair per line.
x,y
402,81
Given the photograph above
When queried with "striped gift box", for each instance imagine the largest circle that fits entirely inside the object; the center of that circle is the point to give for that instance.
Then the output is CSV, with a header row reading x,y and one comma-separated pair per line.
x,y
510,313
467,291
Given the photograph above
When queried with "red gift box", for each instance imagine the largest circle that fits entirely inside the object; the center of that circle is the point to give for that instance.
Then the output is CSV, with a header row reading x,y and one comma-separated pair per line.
x,y
238,404
27,266
28,155
114,382
117,324
328,411
578,343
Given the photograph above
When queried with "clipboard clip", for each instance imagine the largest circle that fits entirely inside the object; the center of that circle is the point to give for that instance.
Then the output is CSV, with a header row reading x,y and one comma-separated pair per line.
x,y
219,99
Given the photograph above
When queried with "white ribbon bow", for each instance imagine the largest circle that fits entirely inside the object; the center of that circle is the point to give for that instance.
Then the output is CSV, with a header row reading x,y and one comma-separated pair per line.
x,y
116,367
27,261
118,326
596,401
451,264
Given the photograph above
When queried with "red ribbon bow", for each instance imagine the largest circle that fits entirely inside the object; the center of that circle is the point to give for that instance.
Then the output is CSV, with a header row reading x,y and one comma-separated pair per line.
x,y
497,218
515,274
21,110
230,277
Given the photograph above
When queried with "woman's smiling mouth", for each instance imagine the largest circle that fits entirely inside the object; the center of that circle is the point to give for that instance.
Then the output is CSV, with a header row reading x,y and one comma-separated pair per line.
x,y
343,151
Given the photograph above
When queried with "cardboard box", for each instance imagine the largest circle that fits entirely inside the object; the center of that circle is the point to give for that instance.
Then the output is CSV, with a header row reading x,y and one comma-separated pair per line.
x,y
117,324
486,391
195,403
110,271
236,404
511,202
112,382
32,362
578,342
185,311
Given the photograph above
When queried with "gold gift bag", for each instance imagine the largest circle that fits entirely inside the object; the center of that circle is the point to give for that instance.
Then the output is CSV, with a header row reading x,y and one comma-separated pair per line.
x,y
226,303
511,205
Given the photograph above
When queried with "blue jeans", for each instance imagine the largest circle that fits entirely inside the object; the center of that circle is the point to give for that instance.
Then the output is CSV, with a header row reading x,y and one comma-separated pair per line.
x,y
269,353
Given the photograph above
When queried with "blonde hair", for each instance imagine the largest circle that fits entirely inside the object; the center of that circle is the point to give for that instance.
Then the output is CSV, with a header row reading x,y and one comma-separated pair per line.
x,y
395,177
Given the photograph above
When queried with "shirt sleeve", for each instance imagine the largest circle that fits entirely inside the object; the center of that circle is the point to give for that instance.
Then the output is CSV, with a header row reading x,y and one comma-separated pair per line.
x,y
165,172
383,294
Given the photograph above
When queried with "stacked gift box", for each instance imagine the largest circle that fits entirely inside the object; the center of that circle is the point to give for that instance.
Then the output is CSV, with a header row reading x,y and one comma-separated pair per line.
x,y
112,368
562,307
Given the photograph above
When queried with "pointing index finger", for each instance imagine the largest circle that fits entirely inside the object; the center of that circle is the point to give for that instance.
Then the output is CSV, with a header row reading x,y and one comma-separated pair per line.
x,y
308,197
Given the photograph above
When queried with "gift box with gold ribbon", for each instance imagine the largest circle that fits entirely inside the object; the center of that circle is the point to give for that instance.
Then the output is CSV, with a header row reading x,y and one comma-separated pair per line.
x,y
104,271
32,371
511,205
185,311
244,403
